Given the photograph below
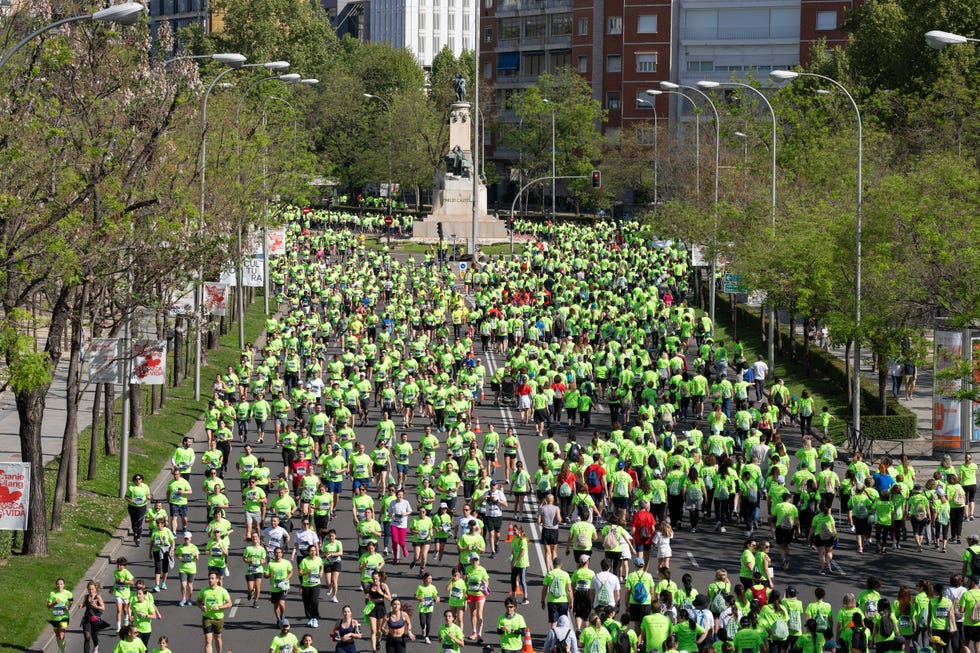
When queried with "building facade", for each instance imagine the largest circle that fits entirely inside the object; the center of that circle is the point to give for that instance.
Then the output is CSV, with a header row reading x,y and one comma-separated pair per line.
x,y
423,27
180,14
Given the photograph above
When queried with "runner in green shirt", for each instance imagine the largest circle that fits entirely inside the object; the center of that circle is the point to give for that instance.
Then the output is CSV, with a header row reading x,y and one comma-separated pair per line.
x,y
428,596
213,601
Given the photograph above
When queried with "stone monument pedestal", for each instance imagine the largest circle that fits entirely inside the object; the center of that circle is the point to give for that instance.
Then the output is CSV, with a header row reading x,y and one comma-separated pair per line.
x,y
452,198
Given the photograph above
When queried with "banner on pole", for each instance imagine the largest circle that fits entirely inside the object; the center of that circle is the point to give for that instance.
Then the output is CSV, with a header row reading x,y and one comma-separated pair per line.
x,y
104,361
149,362
253,274
275,241
182,301
15,495
216,298
946,426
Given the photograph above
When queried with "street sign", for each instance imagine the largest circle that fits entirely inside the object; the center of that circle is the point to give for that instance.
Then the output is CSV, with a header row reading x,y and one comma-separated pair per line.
x,y
732,283
462,267
307,210
388,220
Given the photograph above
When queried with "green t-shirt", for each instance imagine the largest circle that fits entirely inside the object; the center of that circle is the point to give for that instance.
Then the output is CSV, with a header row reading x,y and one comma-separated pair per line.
x,y
213,599
655,629
427,596
557,581
512,631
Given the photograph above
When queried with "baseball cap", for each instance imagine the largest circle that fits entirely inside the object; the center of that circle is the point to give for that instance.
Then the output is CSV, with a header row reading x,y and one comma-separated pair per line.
x,y
937,641
780,479
443,505
583,558
336,447
638,561
494,482
284,622
621,464
474,555
187,535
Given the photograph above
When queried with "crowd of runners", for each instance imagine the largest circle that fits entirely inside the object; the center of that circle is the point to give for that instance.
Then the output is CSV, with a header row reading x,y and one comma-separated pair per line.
x,y
350,445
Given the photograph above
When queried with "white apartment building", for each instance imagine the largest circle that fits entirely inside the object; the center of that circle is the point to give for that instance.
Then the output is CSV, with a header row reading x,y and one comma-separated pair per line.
x,y
423,27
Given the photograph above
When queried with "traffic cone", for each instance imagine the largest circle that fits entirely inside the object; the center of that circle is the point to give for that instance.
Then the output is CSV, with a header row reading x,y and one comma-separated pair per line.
x,y
510,532
518,591
528,645
477,429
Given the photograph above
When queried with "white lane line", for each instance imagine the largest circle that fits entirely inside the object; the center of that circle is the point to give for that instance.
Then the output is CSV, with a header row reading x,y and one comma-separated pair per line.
x,y
234,609
836,567
694,562
530,499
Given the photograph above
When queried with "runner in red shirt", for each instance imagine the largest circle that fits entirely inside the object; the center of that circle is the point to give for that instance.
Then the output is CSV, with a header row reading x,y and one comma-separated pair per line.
x,y
595,479
643,520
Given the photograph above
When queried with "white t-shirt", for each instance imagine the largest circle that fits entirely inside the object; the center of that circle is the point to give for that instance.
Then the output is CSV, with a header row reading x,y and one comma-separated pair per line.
x,y
760,370
399,512
608,580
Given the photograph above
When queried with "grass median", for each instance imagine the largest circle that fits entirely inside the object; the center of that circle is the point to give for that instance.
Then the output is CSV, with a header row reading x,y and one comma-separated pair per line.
x,y
91,522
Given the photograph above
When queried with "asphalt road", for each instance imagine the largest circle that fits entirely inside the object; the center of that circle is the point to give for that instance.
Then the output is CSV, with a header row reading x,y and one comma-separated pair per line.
x,y
250,629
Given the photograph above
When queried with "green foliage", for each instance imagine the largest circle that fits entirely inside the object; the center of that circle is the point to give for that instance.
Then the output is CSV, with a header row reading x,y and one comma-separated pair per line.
x,y
890,427
26,369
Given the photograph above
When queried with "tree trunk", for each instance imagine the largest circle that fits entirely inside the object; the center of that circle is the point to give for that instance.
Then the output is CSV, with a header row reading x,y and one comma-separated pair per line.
x,y
178,352
93,452
135,411
792,336
110,442
66,486
882,385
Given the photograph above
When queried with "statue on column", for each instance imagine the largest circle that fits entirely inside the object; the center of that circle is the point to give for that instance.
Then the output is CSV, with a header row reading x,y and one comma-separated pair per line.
x,y
459,86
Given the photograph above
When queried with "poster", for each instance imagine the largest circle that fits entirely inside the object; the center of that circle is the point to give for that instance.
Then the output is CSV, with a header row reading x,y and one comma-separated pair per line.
x,y
275,241
149,362
104,364
946,427
253,274
182,301
216,298
15,495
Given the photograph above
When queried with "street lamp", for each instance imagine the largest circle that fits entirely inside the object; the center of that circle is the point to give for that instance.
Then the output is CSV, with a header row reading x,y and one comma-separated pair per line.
x,y
656,149
269,65
705,84
697,135
230,59
789,75
671,86
938,39
126,13
388,110
553,173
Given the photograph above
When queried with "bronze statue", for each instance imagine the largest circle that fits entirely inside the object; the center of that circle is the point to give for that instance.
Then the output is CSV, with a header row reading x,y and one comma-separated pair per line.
x,y
459,85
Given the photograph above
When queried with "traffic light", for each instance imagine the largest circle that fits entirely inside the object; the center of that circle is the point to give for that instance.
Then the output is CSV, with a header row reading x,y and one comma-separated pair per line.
x,y
439,229
596,179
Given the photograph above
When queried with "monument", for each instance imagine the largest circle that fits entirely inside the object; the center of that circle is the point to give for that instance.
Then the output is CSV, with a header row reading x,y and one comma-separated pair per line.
x,y
452,197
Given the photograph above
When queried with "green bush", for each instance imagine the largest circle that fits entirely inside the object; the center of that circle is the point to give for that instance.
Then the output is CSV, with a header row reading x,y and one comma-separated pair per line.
x,y
890,427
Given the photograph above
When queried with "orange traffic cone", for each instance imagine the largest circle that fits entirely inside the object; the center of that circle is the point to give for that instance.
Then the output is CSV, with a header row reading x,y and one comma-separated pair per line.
x,y
518,591
477,429
528,645
510,532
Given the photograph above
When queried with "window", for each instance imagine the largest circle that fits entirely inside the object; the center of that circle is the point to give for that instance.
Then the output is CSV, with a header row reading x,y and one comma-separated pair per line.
x,y
614,63
583,26
646,62
532,64
612,101
614,25
436,43
451,22
646,135
488,4
559,60
487,70
534,27
421,20
421,44
647,24
826,20
561,25
583,63
487,35
435,23
700,66
510,28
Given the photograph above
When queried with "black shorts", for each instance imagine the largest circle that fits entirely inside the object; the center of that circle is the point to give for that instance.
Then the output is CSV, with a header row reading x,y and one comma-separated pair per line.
x,y
549,536
556,610
784,536
824,541
256,576
541,415
637,612
377,469
862,527
276,597
213,626
331,566
971,633
622,503
613,557
583,606
493,523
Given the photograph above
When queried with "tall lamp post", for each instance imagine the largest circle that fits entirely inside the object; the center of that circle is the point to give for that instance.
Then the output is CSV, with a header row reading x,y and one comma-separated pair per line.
x,y
697,135
788,75
126,13
671,86
390,132
705,84
475,172
269,65
656,149
553,172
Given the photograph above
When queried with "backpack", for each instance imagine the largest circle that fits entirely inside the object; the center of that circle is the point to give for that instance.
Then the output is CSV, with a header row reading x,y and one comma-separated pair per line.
x,y
560,646
974,560
780,630
920,512
668,442
610,542
861,509
640,594
786,522
718,605
604,596
574,453
592,477
759,594
694,495
623,644
644,533
564,490
582,541
721,492
556,588
886,626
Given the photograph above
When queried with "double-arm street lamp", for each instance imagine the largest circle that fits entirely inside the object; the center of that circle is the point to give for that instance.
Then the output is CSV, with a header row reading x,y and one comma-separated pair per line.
x,y
789,75
390,133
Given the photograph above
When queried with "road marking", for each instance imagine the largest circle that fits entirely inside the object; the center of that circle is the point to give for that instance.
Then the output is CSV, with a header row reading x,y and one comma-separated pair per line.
x,y
690,556
836,567
530,500
234,609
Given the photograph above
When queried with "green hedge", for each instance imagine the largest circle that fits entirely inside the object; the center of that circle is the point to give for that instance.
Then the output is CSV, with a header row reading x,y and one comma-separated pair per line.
x,y
899,424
